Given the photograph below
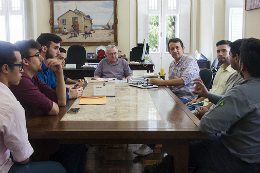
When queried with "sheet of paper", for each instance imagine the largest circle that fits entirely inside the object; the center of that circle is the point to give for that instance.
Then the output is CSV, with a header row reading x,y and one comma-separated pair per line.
x,y
93,100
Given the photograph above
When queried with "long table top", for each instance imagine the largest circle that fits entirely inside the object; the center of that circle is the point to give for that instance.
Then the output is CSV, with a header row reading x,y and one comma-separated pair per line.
x,y
175,121
166,120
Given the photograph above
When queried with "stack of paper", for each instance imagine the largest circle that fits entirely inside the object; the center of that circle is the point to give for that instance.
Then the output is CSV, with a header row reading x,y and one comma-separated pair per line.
x,y
93,100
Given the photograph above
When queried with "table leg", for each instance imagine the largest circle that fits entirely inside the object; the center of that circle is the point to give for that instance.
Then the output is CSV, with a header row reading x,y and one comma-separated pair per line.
x,y
180,150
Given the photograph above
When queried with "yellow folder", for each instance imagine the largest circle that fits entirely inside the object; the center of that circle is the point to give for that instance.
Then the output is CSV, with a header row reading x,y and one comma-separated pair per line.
x,y
93,100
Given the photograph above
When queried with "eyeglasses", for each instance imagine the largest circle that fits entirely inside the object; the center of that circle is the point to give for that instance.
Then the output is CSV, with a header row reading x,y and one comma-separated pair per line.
x,y
36,55
111,54
20,66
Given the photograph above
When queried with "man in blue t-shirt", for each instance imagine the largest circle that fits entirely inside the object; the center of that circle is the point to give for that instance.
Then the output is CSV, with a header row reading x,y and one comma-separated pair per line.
x,y
50,44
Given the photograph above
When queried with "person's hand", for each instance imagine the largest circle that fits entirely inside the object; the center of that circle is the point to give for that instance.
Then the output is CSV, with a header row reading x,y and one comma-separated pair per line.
x,y
79,84
155,81
200,88
54,64
202,110
75,93
193,101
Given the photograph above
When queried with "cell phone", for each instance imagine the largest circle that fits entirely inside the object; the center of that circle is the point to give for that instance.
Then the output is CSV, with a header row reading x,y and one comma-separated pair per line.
x,y
74,110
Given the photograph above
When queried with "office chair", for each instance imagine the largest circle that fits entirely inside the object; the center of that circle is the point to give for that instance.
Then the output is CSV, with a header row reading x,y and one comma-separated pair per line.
x,y
206,77
76,55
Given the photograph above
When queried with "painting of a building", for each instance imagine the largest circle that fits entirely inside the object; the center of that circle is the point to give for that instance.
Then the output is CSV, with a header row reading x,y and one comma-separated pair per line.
x,y
76,19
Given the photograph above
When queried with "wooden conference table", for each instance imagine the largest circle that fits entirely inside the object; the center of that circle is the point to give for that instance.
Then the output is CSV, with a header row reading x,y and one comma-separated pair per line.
x,y
163,119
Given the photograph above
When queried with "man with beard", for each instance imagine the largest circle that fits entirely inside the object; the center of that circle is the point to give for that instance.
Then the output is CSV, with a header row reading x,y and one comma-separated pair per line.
x,y
34,94
233,80
50,44
223,73
182,71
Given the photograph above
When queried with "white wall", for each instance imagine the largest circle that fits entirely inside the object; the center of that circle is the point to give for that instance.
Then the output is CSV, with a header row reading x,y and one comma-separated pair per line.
x,y
252,23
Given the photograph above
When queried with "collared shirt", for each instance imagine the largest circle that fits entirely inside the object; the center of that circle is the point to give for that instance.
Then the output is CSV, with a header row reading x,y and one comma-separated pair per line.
x,y
238,114
187,69
220,81
33,94
106,70
48,77
233,80
13,132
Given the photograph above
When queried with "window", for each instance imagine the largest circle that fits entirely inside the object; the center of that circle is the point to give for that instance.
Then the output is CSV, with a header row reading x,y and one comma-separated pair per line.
x,y
236,23
234,19
162,16
12,20
64,21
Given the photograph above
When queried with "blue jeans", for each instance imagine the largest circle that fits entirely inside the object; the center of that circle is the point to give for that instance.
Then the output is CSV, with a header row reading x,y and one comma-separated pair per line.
x,y
71,156
213,155
194,106
184,100
39,167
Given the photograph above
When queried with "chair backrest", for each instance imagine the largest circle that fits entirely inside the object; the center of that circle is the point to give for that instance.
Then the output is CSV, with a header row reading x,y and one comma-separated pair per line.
x,y
206,77
76,55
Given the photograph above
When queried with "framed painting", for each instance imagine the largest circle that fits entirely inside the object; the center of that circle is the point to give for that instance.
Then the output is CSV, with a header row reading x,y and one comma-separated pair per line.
x,y
252,4
84,22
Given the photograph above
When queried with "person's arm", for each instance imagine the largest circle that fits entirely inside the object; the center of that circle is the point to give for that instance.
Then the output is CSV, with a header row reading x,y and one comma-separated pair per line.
x,y
127,70
56,66
228,110
128,77
16,136
98,71
75,93
70,81
196,101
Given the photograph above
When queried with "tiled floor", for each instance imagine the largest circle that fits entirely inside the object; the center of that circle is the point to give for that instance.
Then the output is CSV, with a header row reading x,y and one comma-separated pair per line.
x,y
118,159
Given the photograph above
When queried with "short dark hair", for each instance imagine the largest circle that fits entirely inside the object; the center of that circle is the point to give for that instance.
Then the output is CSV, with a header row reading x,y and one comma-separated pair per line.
x,y
25,46
235,47
221,42
175,40
250,56
62,50
7,53
45,39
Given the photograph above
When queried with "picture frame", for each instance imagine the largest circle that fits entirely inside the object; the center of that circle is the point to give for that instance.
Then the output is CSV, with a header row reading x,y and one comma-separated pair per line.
x,y
91,55
84,22
252,4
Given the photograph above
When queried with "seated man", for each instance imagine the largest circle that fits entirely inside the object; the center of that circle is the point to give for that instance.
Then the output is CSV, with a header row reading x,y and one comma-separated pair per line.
x,y
50,44
237,113
182,71
112,67
13,132
221,77
233,80
34,94
62,57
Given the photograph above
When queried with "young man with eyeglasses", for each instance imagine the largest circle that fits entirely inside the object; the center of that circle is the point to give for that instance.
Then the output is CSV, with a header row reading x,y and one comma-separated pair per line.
x,y
50,44
112,67
34,94
13,132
